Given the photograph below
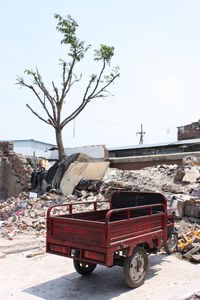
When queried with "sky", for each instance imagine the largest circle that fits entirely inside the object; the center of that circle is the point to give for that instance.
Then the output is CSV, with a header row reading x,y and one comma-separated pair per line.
x,y
157,47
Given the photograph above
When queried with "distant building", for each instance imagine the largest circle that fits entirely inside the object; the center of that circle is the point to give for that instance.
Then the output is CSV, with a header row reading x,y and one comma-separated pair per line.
x,y
191,145
93,151
32,148
190,131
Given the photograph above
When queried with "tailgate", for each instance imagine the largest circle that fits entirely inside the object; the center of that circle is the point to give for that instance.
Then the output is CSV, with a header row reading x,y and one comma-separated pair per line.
x,y
65,235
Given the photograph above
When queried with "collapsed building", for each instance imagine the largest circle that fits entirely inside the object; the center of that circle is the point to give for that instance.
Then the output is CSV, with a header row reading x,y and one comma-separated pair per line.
x,y
80,178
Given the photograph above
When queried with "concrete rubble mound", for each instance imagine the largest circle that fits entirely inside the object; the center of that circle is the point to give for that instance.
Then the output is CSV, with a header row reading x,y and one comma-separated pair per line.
x,y
25,214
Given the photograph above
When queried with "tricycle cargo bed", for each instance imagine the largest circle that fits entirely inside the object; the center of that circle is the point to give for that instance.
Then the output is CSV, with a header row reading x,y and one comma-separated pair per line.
x,y
98,235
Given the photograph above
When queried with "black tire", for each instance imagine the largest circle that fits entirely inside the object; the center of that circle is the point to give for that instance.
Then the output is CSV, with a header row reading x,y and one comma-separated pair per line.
x,y
135,268
172,241
84,268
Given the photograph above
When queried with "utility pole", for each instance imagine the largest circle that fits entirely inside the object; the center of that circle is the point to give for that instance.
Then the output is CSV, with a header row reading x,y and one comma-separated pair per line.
x,y
74,129
141,133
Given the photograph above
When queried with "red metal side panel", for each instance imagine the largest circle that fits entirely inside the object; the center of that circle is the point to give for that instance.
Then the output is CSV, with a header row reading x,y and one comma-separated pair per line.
x,y
77,231
127,229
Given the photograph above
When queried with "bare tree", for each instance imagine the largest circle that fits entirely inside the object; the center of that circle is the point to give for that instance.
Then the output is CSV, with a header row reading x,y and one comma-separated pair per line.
x,y
52,102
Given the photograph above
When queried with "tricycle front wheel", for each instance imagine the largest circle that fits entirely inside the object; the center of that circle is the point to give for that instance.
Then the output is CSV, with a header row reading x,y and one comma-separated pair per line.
x,y
135,267
84,268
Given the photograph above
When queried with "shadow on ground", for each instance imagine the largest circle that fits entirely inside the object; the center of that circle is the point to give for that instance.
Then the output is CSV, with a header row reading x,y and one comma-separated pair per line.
x,y
104,283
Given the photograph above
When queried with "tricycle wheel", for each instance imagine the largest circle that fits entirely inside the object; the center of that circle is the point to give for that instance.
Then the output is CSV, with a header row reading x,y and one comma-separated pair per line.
x,y
135,267
84,268
172,241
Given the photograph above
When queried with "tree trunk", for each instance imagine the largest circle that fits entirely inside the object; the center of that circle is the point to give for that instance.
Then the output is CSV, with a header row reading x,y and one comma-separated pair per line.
x,y
61,150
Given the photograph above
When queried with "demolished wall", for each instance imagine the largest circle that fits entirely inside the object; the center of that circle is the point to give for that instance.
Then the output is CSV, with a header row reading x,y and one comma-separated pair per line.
x,y
15,172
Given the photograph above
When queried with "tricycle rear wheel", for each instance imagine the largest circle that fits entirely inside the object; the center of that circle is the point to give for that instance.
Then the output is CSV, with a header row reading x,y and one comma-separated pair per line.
x,y
172,241
135,267
84,268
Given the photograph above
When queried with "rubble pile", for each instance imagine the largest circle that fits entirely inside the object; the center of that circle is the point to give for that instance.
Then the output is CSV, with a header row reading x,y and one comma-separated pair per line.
x,y
170,179
189,240
24,214
21,214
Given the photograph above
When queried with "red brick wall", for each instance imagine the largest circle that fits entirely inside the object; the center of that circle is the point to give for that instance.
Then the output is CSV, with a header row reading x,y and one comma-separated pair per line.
x,y
191,131
15,172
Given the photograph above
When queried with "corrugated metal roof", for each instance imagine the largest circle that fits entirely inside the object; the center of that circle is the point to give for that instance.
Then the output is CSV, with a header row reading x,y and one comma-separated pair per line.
x,y
32,140
183,142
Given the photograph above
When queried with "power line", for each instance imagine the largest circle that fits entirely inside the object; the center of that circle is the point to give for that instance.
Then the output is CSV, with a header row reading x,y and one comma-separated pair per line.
x,y
156,124
108,122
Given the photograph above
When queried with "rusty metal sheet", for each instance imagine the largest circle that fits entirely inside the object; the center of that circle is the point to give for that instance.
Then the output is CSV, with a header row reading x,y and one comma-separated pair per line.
x,y
79,170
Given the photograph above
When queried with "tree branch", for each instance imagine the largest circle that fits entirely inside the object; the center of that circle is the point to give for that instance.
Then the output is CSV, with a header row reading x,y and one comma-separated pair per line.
x,y
22,83
36,114
71,84
98,80
56,91
68,79
40,84
104,87
86,99
80,107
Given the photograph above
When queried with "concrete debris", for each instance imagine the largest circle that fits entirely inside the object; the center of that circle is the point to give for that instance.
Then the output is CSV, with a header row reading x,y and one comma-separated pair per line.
x,y
191,160
195,296
192,208
25,214
35,253
79,170
163,178
189,240
196,192
2,255
191,175
178,203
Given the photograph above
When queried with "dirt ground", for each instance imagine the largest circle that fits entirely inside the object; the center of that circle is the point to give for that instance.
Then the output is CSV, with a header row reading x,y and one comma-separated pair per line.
x,y
53,277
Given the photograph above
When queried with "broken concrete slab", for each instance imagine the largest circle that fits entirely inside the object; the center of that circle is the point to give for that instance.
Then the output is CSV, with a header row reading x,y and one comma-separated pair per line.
x,y
192,208
178,202
80,170
35,253
191,175
180,208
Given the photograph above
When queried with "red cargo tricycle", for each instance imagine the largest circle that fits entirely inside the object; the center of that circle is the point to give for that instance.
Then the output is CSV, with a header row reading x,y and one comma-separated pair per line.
x,y
136,224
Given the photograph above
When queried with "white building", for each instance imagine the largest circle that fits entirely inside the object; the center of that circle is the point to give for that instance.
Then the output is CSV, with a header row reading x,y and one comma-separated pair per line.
x,y
35,148
32,148
94,151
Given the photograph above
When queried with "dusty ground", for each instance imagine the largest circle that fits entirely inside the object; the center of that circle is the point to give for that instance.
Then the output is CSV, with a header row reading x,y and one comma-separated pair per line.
x,y
53,277
22,227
